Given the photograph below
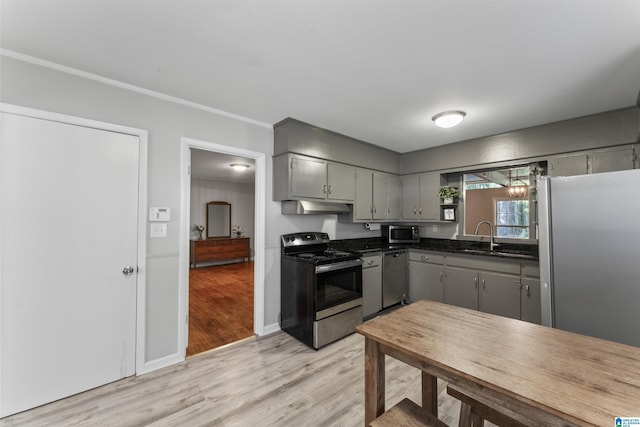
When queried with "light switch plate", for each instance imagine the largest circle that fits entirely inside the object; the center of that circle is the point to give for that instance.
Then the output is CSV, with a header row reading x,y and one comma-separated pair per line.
x,y
158,230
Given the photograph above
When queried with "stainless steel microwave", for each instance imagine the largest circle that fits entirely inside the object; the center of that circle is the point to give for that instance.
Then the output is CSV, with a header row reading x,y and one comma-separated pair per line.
x,y
400,234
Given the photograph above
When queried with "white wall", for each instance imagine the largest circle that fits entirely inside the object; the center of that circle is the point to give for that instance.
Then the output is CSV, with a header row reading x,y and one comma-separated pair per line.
x,y
240,195
43,88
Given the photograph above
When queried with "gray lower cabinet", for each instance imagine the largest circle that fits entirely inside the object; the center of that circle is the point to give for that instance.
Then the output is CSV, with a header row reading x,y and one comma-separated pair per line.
x,y
371,284
487,285
426,272
530,293
499,294
461,287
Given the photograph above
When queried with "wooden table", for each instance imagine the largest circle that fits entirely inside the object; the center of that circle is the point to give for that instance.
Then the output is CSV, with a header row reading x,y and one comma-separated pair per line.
x,y
548,376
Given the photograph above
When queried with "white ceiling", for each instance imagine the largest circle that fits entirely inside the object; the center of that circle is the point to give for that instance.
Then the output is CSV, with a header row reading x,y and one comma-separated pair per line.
x,y
210,165
376,70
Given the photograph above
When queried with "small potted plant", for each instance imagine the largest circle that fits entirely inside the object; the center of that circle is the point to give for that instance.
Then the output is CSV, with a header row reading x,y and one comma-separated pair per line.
x,y
447,193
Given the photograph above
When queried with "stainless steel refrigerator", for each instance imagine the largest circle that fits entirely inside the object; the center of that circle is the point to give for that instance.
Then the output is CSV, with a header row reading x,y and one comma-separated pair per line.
x,y
589,236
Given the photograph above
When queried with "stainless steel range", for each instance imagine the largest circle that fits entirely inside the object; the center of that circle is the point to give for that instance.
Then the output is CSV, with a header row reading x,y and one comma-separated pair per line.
x,y
320,289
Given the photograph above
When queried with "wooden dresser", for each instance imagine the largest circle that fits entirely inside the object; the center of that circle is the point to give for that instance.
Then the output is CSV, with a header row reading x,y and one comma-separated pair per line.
x,y
219,249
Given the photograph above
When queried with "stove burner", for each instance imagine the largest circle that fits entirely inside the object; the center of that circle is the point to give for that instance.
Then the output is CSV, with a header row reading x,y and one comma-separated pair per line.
x,y
313,248
336,253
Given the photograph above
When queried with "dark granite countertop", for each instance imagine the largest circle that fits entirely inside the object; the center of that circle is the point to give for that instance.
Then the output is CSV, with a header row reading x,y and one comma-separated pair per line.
x,y
504,250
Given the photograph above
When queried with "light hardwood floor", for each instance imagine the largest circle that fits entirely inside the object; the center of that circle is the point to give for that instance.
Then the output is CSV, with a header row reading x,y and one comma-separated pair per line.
x,y
269,381
220,305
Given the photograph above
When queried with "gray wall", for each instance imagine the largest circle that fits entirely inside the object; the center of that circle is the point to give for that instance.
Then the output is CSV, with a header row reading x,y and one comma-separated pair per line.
x,y
584,133
294,136
38,87
42,88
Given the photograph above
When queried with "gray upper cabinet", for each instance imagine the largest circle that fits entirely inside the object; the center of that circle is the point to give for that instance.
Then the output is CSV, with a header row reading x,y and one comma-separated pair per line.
x,y
394,196
363,205
614,159
341,182
420,197
377,196
410,196
300,177
595,161
568,165
308,178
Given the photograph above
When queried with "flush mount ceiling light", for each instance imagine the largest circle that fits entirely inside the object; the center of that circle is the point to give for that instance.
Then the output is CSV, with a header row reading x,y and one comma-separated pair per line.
x,y
240,166
448,119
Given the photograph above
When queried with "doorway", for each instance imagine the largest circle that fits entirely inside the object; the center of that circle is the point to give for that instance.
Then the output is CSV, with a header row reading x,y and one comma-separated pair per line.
x,y
222,201
247,275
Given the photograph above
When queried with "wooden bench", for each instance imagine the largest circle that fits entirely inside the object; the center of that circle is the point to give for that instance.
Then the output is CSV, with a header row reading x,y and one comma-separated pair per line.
x,y
473,412
407,414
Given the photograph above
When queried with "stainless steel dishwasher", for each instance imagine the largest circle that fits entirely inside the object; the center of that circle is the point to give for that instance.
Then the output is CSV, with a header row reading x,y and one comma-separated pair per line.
x,y
394,277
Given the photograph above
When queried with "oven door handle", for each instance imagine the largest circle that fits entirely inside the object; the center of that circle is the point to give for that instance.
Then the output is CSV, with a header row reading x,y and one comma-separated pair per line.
x,y
338,265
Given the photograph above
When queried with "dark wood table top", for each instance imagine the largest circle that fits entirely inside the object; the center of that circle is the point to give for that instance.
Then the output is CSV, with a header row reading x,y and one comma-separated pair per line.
x,y
583,380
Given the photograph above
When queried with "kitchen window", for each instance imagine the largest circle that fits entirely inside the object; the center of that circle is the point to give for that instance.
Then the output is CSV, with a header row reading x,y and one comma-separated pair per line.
x,y
512,218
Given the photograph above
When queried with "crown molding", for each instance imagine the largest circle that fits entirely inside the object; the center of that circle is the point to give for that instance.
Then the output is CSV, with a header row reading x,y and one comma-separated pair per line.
x,y
133,88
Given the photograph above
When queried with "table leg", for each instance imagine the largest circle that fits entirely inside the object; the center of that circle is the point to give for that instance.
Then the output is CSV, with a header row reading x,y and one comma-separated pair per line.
x,y
430,393
373,381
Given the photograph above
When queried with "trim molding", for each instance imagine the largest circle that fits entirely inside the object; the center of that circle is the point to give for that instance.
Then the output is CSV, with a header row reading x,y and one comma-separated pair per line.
x,y
127,86
259,232
270,329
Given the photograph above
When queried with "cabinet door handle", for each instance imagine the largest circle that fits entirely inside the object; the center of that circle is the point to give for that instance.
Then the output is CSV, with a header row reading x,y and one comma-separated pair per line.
x,y
415,211
484,285
528,291
329,189
420,211
475,282
425,258
324,189
441,277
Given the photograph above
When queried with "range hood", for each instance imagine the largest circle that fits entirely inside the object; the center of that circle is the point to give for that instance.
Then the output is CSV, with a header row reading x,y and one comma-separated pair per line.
x,y
311,207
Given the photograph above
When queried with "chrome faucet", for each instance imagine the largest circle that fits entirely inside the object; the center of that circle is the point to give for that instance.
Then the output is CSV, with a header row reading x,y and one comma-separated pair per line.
x,y
492,244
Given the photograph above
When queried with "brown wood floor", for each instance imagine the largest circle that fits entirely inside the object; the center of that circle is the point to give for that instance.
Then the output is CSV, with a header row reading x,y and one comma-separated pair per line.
x,y
220,305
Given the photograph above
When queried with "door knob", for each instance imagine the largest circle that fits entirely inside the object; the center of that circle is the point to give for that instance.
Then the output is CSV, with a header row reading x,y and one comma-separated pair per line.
x,y
128,270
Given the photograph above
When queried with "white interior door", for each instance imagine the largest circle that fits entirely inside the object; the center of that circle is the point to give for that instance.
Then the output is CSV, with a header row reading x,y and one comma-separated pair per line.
x,y
69,228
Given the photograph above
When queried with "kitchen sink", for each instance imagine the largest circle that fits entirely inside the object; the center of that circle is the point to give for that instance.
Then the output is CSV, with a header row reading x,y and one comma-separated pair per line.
x,y
505,254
